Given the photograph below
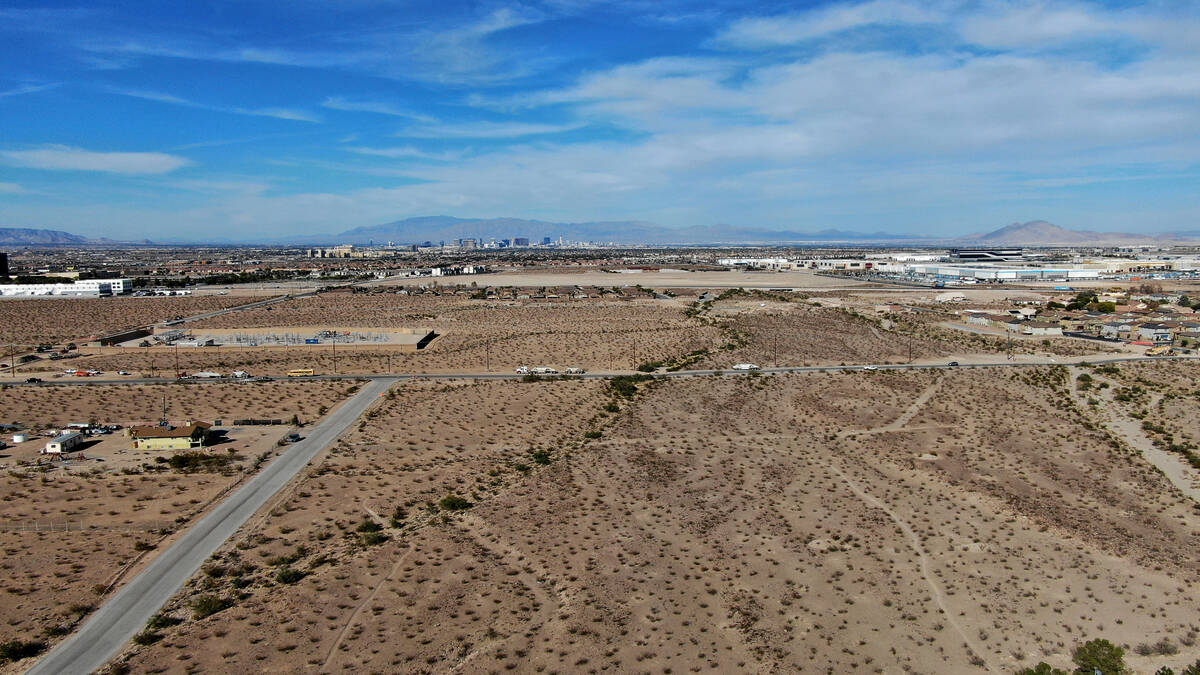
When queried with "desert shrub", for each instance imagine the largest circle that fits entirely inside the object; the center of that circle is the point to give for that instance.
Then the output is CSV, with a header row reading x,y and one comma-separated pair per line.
x,y
1042,668
207,605
1163,647
398,517
368,525
454,503
540,457
1099,655
15,650
289,575
373,538
592,434
143,546
146,637
161,620
187,462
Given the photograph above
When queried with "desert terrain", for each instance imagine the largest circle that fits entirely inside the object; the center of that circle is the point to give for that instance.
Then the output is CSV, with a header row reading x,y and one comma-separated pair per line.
x,y
73,529
865,522
32,321
869,521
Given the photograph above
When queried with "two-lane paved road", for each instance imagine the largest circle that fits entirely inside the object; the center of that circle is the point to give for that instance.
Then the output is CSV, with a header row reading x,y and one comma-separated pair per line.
x,y
126,613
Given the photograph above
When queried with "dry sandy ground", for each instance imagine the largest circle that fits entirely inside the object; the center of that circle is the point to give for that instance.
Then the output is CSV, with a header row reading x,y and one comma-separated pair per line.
x,y
595,334
33,321
55,407
866,522
54,578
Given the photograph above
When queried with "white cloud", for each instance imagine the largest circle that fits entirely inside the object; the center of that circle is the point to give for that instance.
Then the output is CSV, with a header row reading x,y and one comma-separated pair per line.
x,y
488,130
61,157
763,32
277,113
11,189
406,152
377,107
27,89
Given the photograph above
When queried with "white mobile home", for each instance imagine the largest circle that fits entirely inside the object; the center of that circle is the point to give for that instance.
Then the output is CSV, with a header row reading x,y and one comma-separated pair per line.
x,y
63,443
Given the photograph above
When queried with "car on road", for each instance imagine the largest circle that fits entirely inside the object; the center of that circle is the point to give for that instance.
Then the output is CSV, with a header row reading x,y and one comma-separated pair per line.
x,y
574,370
870,367
293,438
33,380
953,364
522,370
746,366
122,372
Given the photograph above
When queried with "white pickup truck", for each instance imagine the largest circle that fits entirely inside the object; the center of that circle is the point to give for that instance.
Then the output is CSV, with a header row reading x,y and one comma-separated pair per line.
x,y
746,366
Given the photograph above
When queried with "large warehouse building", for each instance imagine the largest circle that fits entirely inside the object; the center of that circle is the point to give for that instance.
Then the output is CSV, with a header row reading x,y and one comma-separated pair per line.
x,y
85,288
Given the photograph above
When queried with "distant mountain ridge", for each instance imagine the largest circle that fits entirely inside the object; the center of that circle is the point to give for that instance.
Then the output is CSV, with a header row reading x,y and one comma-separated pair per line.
x,y
23,236
1042,233
449,228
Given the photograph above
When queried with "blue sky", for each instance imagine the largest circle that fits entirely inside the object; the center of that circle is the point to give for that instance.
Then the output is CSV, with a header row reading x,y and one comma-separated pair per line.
x,y
247,119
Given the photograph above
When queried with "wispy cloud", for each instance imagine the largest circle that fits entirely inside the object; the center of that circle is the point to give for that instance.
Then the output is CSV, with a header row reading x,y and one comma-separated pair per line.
x,y
760,32
62,157
406,152
27,89
277,113
377,107
11,189
489,130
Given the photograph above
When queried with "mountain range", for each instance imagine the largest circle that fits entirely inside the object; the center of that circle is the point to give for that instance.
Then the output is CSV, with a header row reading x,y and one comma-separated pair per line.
x,y
13,236
447,228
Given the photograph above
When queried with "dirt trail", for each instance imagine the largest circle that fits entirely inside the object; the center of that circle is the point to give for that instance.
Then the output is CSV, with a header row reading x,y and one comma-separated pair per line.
x,y
914,541
337,643
1129,430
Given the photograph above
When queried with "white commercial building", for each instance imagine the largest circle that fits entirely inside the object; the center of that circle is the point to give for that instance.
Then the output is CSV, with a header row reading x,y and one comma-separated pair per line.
x,y
86,287
991,273
64,443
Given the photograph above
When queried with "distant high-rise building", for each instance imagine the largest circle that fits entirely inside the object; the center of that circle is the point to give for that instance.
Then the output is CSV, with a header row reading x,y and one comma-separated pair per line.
x,y
4,265
520,241
545,241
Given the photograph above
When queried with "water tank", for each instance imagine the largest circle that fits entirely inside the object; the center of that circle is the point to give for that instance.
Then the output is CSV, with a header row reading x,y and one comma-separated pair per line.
x,y
20,438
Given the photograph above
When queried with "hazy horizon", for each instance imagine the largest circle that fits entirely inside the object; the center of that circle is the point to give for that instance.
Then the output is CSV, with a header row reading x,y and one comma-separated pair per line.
x,y
231,120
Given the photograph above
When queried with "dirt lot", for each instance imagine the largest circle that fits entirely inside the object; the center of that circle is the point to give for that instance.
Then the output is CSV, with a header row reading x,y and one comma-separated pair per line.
x,y
867,522
46,407
33,321
71,529
595,334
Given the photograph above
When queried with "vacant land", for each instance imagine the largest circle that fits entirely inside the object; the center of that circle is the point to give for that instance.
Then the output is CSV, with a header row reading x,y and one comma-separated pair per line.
x,y
71,532
34,321
49,407
597,334
866,522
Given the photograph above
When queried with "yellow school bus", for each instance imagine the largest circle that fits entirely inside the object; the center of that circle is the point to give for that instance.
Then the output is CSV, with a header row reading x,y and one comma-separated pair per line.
x,y
301,372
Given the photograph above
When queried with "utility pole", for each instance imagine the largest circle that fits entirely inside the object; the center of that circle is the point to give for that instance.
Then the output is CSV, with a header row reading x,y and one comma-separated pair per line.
x,y
776,346
487,352
177,360
334,344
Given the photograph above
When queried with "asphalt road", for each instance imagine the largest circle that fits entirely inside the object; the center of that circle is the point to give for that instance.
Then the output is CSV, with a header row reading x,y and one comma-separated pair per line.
x,y
126,613
67,382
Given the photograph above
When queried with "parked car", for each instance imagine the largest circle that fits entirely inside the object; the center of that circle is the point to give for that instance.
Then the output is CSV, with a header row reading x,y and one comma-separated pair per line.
x,y
33,380
292,438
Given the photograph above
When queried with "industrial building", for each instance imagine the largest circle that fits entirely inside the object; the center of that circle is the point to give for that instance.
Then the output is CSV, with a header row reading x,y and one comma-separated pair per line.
x,y
986,254
194,435
984,272
83,288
